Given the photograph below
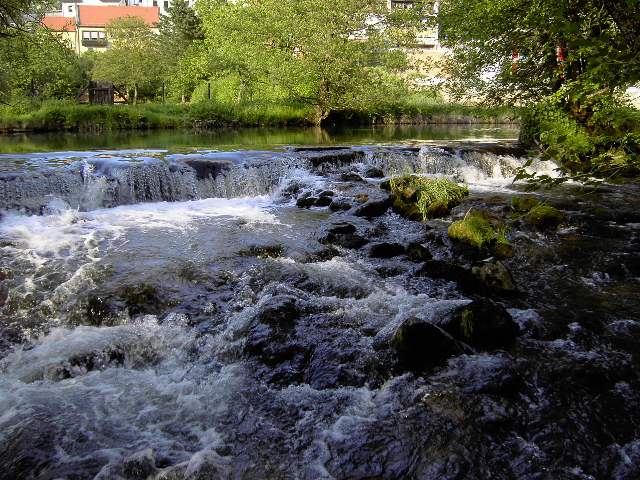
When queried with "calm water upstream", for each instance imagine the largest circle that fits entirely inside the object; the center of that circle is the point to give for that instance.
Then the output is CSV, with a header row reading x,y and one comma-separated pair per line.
x,y
227,306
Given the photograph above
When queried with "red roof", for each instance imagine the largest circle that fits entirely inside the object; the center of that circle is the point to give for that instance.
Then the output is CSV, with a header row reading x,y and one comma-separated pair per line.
x,y
59,24
99,16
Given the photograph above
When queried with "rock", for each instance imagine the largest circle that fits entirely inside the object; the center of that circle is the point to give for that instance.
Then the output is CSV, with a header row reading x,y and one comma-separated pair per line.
x,y
421,345
323,201
342,228
208,168
140,465
262,251
495,276
373,208
361,198
524,204
545,217
351,177
292,189
281,310
420,198
344,235
339,205
327,193
446,271
483,324
386,250
306,202
373,172
416,252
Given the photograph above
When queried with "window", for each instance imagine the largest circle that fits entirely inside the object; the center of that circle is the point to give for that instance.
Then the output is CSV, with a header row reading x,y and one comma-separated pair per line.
x,y
155,3
166,4
86,35
101,35
70,8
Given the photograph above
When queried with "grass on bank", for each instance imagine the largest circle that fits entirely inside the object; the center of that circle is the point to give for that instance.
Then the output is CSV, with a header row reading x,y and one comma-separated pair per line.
x,y
68,116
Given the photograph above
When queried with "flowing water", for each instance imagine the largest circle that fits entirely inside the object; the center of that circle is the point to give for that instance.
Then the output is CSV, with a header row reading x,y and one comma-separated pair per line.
x,y
172,313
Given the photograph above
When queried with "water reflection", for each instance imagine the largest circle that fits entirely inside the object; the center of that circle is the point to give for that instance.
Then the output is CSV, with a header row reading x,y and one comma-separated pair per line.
x,y
262,138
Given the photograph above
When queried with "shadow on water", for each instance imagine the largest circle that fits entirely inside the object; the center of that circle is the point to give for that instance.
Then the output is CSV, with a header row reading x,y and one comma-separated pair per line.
x,y
230,138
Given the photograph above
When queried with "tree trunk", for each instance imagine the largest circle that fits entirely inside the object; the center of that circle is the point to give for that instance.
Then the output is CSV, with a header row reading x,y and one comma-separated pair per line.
x,y
135,94
320,114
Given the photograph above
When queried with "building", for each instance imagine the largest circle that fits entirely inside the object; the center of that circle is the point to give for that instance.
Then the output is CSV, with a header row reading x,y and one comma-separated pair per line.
x,y
69,9
86,30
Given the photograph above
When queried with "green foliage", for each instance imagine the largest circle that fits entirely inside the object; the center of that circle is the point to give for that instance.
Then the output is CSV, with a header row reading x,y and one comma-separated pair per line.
x,y
329,55
598,42
181,35
424,198
36,65
15,15
132,60
466,322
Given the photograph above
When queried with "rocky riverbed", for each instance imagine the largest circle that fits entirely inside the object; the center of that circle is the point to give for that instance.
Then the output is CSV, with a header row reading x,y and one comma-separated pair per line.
x,y
276,315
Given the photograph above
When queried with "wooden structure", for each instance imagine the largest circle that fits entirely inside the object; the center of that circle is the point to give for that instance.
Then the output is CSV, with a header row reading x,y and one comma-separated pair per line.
x,y
101,92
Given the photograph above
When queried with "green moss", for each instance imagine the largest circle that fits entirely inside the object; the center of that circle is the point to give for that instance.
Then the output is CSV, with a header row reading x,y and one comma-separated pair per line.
x,y
473,230
480,229
524,204
421,198
545,217
466,323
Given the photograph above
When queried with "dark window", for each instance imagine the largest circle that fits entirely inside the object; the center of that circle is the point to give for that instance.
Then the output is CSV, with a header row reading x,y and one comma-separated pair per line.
x,y
166,4
155,3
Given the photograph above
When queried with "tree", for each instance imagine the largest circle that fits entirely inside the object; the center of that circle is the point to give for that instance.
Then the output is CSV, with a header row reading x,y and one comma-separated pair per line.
x,y
331,55
36,64
15,14
518,50
179,29
571,59
132,60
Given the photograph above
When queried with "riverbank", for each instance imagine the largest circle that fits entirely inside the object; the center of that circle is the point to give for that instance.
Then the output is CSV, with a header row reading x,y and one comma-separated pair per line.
x,y
69,117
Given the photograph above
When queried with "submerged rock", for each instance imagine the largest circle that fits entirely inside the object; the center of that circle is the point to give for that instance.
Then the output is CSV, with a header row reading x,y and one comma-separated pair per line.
x,y
386,250
344,235
373,172
351,177
306,202
339,205
495,276
140,465
417,252
482,324
421,345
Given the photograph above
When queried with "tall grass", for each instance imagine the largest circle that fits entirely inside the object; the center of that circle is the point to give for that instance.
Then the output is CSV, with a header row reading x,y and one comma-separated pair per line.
x,y
67,116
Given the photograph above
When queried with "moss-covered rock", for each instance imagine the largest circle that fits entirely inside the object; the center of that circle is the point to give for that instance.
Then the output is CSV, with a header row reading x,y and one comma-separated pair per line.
x,y
420,198
479,230
524,204
545,217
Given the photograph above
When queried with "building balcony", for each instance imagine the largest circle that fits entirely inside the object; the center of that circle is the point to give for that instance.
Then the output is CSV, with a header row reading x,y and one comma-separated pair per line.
x,y
94,42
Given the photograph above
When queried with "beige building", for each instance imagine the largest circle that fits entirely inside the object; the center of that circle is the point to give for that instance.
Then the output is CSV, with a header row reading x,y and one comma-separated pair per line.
x,y
86,31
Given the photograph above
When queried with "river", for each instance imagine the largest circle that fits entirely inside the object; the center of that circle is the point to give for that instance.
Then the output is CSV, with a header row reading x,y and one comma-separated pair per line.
x,y
172,306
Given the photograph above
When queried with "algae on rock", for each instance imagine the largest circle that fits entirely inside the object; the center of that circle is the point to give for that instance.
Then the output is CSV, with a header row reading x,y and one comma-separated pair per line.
x,y
421,198
478,230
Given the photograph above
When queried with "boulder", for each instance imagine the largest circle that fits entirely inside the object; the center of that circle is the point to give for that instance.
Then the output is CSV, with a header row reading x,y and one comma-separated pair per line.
x,y
344,235
351,177
386,250
140,465
339,205
420,345
495,276
362,198
306,202
323,201
280,310
208,168
483,324
373,208
417,252
373,172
